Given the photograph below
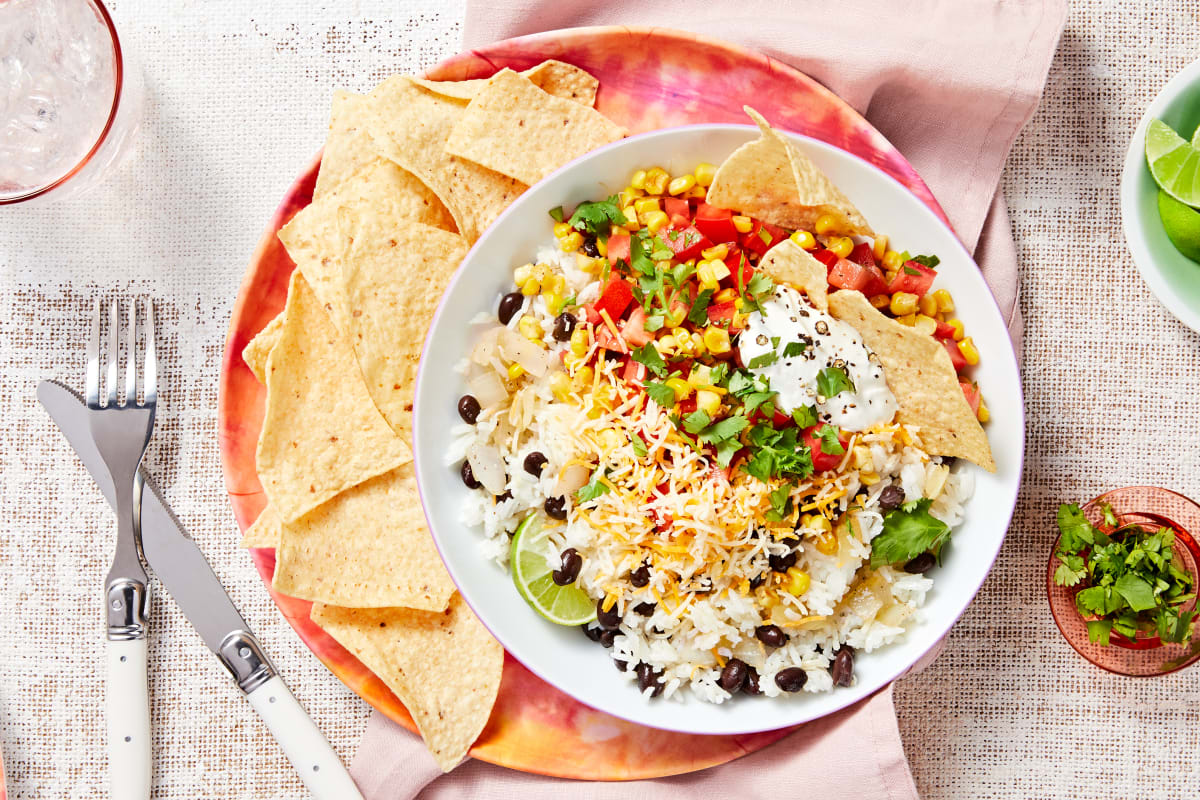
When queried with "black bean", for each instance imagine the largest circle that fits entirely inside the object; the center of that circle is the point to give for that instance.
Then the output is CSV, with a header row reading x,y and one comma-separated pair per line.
x,y
783,563
921,564
468,476
564,326
556,507
891,497
510,304
621,665
607,637
843,667
640,576
647,677
590,248
733,677
791,679
590,632
645,609
500,498
771,635
609,620
571,564
535,462
757,581
750,687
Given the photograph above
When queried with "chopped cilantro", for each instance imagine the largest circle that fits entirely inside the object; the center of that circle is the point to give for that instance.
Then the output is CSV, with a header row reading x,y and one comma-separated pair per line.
x,y
698,315
722,430
805,416
927,261
647,354
662,395
556,214
696,421
781,503
776,453
568,302
910,271
639,258
726,450
639,445
793,349
680,273
832,381
719,374
830,445
653,322
597,218
753,400
765,360
594,488
908,532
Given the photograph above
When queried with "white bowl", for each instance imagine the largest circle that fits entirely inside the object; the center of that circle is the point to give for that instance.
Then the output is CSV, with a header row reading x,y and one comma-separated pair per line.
x,y
563,656
1173,277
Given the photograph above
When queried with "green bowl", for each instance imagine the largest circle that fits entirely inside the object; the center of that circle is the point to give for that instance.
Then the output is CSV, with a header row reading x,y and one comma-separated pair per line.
x,y
1173,277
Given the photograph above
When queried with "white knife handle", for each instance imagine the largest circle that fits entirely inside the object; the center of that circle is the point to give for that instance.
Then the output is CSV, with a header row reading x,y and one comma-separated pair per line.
x,y
302,742
128,717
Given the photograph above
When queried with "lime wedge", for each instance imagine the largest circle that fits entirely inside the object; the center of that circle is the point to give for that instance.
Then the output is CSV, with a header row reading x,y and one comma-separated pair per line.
x,y
1173,162
1182,224
1196,138
531,574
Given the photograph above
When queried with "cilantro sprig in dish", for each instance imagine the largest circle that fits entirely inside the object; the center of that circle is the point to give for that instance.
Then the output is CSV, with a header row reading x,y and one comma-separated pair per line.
x,y
1131,581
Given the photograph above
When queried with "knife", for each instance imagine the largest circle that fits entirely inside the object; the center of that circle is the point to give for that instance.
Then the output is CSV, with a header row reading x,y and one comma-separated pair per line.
x,y
186,574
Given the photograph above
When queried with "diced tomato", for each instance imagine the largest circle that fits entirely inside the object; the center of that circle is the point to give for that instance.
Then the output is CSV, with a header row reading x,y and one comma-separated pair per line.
x,y
686,406
780,419
863,253
736,261
944,331
971,392
721,312
762,236
678,211
685,241
592,315
956,356
716,223
615,298
913,277
605,338
823,461
826,257
633,372
618,248
847,274
633,330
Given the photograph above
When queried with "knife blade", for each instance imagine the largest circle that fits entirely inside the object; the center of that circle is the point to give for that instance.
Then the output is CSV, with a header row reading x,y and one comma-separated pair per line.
x,y
187,575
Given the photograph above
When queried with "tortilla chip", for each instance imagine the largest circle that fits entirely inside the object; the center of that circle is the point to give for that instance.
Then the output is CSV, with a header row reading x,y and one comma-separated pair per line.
x,y
394,277
368,547
519,130
555,77
350,159
410,126
257,349
789,263
771,179
264,532
919,373
443,666
321,433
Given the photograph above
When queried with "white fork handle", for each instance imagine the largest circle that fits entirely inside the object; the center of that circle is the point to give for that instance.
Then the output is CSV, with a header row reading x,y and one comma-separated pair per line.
x,y
302,742
128,716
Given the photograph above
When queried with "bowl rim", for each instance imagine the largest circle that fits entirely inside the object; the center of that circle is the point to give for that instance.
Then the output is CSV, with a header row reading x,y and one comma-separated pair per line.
x,y
419,433
1133,174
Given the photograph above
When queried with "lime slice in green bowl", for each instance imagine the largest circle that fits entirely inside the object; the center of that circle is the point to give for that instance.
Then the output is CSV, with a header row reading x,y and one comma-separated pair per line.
x,y
1182,224
1174,163
531,574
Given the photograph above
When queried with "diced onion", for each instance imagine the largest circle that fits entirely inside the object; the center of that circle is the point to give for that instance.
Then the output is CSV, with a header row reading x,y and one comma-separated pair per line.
x,y
488,467
517,348
486,348
488,389
572,479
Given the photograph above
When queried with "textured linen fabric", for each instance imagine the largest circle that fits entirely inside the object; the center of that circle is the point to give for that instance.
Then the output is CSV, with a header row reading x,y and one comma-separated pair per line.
x,y
237,103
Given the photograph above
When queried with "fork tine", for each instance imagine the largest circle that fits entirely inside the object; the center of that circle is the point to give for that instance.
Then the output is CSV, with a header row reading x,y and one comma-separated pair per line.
x,y
150,370
92,382
131,358
114,326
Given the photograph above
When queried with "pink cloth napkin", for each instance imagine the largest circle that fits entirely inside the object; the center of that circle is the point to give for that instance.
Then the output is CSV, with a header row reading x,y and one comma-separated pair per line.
x,y
950,83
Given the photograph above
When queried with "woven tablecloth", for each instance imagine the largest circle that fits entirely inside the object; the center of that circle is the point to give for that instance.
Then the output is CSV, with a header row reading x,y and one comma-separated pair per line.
x,y
237,103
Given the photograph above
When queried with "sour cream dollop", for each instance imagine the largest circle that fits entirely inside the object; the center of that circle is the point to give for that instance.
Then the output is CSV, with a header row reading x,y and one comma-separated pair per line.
x,y
828,343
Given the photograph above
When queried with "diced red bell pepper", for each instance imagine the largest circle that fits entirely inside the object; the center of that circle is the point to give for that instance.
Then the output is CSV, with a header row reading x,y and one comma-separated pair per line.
x,y
971,392
615,298
686,406
847,274
914,277
721,312
685,241
678,211
736,261
762,236
823,461
716,223
618,248
956,356
826,257
592,315
633,330
944,330
863,253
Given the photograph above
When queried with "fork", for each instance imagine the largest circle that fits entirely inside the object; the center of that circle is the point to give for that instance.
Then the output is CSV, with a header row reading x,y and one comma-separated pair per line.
x,y
121,431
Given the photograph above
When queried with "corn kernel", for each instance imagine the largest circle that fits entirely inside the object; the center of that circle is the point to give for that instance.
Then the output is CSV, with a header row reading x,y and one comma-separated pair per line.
x,y
945,303
655,221
907,319
560,386
820,523
842,246
579,341
861,456
716,340
868,478
704,274
969,351
530,287
561,229
522,274
609,439
571,242
720,270
879,247
680,387
675,315
926,324
892,261
558,284
743,224
515,371
529,327
903,303
927,305
797,582
826,224
553,301
644,205
602,247
542,273
708,402
631,220
665,345
983,415
827,543
960,332
571,361
604,394
880,300
717,252
698,346
704,173
638,181
805,239
739,320
656,180
584,377
681,184
696,191
724,296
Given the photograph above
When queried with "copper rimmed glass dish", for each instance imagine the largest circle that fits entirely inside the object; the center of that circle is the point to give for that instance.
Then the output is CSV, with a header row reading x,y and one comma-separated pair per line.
x,y
1151,508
